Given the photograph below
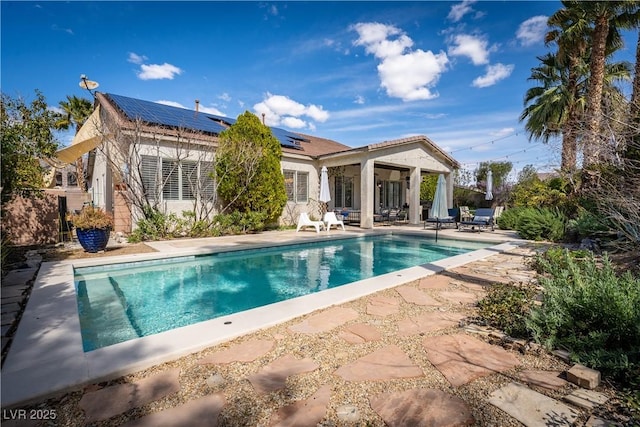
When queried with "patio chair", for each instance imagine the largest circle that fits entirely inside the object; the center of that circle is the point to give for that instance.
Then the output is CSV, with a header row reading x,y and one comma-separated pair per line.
x,y
465,213
305,221
440,222
330,219
483,218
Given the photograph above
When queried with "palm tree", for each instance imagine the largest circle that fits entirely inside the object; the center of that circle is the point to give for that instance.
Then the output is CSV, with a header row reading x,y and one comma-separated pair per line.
x,y
76,112
608,17
570,31
554,108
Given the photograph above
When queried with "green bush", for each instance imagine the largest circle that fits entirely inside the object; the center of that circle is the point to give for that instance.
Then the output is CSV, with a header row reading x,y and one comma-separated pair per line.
x,y
552,261
509,218
541,224
507,307
591,311
587,224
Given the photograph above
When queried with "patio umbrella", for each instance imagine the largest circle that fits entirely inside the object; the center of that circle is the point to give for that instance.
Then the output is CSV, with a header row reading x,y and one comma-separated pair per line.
x,y
325,194
489,194
439,207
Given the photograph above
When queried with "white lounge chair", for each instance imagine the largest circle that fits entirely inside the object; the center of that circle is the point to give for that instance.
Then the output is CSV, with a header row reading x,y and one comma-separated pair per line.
x,y
330,219
305,221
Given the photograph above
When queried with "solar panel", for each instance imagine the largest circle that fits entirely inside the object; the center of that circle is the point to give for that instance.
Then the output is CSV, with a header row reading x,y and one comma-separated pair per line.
x,y
166,115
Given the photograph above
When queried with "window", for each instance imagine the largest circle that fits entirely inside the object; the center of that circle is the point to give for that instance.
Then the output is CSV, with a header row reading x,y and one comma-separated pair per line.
x,y
170,177
178,180
296,184
59,179
189,180
149,172
72,180
344,192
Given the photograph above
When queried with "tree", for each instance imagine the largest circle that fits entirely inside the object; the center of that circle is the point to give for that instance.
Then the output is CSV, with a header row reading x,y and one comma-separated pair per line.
x,y
76,112
499,171
608,18
27,137
247,168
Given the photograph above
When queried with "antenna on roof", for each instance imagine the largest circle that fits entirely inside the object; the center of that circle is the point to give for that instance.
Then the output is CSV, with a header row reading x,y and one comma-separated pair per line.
x,y
88,84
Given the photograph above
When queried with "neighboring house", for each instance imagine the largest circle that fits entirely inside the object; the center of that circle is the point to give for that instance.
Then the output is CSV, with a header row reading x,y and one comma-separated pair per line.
x,y
171,151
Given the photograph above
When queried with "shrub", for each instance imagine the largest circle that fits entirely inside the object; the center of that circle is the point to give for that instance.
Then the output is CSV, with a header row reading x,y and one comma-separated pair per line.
x,y
91,217
507,307
552,261
592,312
541,224
509,218
587,224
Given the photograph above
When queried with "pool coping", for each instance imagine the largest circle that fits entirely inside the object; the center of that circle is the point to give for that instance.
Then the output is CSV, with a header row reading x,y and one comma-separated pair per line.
x,y
47,357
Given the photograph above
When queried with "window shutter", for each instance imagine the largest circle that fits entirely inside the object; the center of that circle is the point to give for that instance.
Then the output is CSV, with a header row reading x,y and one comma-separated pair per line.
x,y
149,172
289,181
207,186
302,187
170,180
189,180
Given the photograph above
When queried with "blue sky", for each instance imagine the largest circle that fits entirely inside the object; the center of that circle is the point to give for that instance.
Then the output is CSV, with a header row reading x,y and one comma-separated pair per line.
x,y
355,72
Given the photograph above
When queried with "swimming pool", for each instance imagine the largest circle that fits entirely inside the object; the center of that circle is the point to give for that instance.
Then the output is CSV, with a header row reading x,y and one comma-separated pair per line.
x,y
122,302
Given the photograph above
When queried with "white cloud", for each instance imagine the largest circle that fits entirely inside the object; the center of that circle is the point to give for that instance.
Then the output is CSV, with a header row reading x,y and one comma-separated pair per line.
x,y
458,11
294,123
136,59
282,110
157,71
494,74
532,30
404,73
435,116
201,108
225,97
502,132
359,100
473,47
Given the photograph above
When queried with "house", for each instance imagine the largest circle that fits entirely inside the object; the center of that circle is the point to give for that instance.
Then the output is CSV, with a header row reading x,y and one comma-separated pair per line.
x,y
138,148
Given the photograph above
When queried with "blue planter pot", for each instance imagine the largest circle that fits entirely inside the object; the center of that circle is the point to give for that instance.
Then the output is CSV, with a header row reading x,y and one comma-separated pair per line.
x,y
93,239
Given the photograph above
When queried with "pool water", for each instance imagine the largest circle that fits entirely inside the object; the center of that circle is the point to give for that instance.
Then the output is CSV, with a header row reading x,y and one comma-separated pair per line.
x,y
121,302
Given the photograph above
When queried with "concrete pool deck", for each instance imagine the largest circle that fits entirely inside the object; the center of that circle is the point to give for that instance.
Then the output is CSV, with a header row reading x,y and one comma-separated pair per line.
x,y
46,356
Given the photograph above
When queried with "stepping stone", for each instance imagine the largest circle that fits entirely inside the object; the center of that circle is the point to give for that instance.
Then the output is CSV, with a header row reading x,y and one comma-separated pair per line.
x,y
462,358
422,408
428,322
459,297
247,351
546,379
531,408
386,363
202,412
587,399
325,321
110,401
359,333
437,281
594,421
303,413
416,296
274,376
475,287
382,306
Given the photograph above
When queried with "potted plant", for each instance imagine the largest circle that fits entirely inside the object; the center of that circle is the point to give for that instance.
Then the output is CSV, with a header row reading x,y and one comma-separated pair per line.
x,y
93,226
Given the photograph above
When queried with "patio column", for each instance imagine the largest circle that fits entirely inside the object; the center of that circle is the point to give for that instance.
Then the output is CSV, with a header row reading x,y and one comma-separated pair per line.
x,y
367,186
414,196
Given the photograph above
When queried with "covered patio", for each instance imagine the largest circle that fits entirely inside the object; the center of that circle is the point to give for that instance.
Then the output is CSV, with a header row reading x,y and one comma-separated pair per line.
x,y
386,175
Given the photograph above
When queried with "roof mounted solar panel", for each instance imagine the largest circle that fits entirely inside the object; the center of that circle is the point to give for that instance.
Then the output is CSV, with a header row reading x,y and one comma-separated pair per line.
x,y
166,115
175,117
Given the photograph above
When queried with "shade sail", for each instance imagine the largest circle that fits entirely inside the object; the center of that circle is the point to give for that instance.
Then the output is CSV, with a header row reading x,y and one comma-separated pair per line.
x,y
89,137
